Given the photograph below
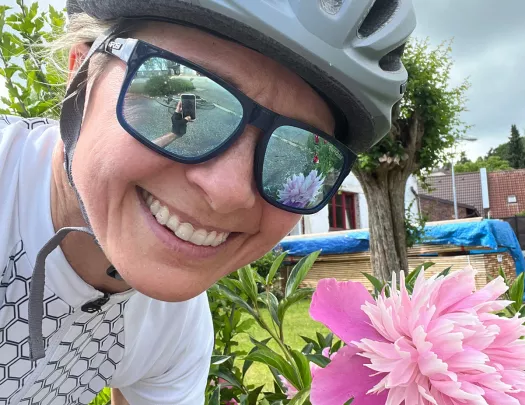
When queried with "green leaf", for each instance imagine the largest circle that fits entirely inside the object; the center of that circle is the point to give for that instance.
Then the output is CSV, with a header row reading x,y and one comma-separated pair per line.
x,y
270,358
245,326
299,272
227,293
445,272
329,340
301,397
254,395
308,348
411,278
103,398
228,376
216,360
503,275
516,292
216,396
273,308
336,346
247,363
275,266
318,359
303,366
312,341
258,278
295,297
376,283
233,285
248,282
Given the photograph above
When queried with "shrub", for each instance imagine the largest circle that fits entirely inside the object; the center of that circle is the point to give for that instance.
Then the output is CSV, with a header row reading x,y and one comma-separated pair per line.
x,y
160,86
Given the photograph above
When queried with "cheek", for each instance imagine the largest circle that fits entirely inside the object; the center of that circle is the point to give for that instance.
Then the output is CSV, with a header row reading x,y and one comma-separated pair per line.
x,y
276,223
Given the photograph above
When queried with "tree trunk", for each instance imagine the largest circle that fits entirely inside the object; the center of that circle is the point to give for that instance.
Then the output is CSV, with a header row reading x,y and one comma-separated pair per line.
x,y
384,189
385,195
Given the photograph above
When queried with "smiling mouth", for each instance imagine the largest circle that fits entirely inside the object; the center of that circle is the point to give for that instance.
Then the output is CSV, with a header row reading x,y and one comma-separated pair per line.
x,y
183,230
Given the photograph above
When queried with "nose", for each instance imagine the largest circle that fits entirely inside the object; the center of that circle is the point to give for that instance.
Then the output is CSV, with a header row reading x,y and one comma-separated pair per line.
x,y
227,181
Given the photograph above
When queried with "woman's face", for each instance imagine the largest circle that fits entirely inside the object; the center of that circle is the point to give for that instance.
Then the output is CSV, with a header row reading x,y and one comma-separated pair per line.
x,y
219,197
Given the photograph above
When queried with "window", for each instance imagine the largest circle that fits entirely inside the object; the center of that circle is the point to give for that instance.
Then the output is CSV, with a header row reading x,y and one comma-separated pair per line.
x,y
341,212
511,199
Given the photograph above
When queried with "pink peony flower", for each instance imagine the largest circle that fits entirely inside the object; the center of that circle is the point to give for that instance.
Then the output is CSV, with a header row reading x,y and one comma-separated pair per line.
x,y
289,389
232,401
223,382
443,345
299,191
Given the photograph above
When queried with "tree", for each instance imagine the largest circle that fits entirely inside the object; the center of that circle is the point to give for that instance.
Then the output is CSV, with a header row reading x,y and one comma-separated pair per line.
x,y
426,124
463,157
34,83
515,149
492,164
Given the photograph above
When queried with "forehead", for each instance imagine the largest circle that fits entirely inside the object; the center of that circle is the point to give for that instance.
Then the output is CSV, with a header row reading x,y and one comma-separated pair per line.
x,y
257,76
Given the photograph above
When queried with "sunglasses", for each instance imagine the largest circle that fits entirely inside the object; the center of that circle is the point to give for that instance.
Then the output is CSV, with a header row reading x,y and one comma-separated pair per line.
x,y
190,115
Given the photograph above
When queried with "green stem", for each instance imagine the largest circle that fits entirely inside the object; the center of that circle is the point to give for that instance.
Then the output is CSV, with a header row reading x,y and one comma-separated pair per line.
x,y
268,304
283,348
226,350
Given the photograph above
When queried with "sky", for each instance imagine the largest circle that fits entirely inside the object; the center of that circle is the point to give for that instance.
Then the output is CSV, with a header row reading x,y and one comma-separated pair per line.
x,y
488,49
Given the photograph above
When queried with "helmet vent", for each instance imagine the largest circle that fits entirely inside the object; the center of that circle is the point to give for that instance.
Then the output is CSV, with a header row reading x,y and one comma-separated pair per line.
x,y
391,62
379,14
331,6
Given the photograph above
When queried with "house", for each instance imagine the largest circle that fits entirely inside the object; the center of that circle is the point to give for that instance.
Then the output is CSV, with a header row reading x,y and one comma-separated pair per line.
x,y
506,193
348,209
439,209
469,193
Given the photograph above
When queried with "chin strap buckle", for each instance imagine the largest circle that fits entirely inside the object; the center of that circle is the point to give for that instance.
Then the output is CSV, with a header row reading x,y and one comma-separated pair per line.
x,y
113,273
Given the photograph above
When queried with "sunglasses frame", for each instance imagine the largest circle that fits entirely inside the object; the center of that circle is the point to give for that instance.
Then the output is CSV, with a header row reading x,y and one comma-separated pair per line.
x,y
135,52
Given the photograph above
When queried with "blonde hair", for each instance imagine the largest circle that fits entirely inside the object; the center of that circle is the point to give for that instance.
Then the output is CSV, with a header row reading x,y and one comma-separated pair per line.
x,y
84,29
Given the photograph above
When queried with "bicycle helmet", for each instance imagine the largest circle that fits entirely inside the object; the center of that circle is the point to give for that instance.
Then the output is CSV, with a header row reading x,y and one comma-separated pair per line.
x,y
348,50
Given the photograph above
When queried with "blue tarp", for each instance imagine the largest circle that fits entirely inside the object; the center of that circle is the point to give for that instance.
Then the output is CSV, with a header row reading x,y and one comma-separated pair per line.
x,y
492,234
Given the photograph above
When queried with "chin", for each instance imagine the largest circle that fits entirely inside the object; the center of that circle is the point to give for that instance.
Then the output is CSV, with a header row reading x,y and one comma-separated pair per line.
x,y
172,288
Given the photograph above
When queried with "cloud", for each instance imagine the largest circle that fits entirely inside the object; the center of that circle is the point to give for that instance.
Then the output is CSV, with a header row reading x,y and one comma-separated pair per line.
x,y
488,49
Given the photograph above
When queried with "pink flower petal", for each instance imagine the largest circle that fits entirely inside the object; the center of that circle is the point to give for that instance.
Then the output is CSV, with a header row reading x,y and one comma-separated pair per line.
x,y
442,345
338,306
345,377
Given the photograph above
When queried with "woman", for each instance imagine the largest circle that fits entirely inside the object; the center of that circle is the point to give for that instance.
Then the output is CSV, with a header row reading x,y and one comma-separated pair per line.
x,y
121,300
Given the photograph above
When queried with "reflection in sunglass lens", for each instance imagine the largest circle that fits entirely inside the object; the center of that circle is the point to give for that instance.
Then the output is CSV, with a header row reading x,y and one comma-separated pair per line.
x,y
180,110
300,168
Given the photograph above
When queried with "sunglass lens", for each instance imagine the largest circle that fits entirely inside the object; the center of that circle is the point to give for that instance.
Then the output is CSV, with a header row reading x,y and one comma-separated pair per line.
x,y
300,168
176,108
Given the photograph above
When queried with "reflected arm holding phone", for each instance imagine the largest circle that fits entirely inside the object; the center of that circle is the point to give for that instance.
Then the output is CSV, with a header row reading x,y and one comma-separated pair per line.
x,y
178,127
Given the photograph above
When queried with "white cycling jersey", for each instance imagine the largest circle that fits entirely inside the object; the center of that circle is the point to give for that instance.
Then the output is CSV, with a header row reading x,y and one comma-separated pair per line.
x,y
155,352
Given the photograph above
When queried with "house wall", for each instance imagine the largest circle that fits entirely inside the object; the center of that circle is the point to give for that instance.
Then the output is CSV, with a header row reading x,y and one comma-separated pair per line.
x,y
468,189
319,223
501,186
439,211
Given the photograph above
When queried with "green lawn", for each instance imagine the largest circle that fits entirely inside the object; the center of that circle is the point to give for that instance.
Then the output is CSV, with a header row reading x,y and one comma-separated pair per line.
x,y
297,322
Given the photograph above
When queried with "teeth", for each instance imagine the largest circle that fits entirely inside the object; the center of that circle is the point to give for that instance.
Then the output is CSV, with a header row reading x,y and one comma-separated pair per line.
x,y
184,230
210,238
155,207
149,200
162,216
173,223
199,237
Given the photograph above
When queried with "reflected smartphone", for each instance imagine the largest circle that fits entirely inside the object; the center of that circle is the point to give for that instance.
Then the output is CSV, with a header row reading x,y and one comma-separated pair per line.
x,y
189,105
